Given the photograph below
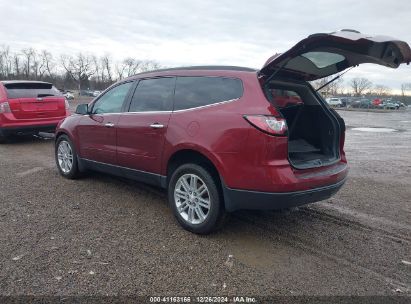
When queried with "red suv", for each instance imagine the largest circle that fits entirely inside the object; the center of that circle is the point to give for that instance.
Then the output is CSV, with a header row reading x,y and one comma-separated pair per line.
x,y
225,138
30,107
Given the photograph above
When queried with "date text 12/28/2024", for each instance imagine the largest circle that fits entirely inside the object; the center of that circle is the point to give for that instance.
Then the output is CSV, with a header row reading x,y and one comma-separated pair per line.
x,y
199,299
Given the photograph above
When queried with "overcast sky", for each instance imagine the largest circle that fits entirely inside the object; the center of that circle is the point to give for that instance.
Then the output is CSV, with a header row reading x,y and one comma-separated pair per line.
x,y
189,32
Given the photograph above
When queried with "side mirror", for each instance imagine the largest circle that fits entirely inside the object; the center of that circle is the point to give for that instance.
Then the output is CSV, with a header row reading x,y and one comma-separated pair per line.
x,y
82,109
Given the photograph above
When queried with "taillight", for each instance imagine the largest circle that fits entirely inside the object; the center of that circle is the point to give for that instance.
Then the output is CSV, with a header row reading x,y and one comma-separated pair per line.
x,y
268,124
67,104
342,140
5,107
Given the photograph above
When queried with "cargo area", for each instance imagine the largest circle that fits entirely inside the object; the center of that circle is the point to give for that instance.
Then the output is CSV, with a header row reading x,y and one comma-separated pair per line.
x,y
313,132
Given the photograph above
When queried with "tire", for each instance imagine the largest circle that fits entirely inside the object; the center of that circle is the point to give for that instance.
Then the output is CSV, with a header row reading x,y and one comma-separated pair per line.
x,y
65,154
3,138
182,199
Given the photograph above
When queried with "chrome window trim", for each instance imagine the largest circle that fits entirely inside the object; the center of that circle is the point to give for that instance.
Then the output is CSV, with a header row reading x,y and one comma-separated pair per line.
x,y
188,109
170,112
149,112
102,114
209,105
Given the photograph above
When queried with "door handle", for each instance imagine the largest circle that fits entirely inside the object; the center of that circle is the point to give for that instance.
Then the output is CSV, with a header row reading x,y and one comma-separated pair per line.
x,y
109,125
156,126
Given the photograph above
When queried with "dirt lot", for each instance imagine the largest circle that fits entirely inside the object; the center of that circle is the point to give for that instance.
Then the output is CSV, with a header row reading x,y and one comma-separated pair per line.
x,y
104,236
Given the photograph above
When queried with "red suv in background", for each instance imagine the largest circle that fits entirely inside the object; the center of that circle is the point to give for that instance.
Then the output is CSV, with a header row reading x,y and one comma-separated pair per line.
x,y
30,107
226,138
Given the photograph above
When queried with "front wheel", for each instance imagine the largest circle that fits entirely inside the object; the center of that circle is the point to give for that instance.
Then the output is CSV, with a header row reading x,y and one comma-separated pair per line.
x,y
194,196
66,158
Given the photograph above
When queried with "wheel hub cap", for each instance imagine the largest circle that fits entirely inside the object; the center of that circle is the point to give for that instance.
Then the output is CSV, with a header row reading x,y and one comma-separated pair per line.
x,y
192,198
65,156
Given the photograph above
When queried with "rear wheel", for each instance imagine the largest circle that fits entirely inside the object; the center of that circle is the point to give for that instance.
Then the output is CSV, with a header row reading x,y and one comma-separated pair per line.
x,y
66,158
194,196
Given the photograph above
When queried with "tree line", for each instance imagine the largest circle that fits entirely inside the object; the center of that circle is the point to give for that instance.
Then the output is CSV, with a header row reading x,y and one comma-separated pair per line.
x,y
81,71
358,86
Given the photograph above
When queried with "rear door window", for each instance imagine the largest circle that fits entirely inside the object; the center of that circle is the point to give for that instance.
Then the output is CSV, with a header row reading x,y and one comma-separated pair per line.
x,y
154,94
30,90
193,92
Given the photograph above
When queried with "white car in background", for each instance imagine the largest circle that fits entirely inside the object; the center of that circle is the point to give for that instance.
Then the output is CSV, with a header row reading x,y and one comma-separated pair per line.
x,y
334,102
68,95
96,93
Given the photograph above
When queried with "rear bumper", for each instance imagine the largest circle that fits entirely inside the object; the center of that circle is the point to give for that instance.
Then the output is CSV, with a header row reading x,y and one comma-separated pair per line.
x,y
10,125
243,199
27,129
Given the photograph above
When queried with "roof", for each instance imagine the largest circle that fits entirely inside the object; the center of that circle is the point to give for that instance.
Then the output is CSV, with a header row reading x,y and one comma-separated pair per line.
x,y
206,68
203,68
192,71
23,81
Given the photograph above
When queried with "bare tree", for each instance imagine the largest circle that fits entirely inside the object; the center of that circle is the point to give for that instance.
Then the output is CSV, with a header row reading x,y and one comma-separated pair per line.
x,y
149,65
120,68
48,62
28,58
69,71
79,68
5,61
332,89
404,88
102,70
106,62
16,64
97,69
360,85
132,66
381,90
39,65
2,65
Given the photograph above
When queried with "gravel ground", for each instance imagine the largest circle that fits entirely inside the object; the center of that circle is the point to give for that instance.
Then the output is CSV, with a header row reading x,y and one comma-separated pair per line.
x,y
104,236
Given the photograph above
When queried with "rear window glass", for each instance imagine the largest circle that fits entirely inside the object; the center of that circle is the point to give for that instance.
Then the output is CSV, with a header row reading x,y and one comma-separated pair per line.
x,y
31,90
323,59
192,92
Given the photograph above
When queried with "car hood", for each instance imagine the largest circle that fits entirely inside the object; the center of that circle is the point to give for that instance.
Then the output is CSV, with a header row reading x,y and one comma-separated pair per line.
x,y
321,55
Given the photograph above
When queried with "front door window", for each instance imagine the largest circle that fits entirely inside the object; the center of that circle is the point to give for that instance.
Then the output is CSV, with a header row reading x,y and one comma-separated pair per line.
x,y
112,101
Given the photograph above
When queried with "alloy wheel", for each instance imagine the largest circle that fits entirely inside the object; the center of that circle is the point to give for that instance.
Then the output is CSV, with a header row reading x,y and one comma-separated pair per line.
x,y
65,156
192,198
